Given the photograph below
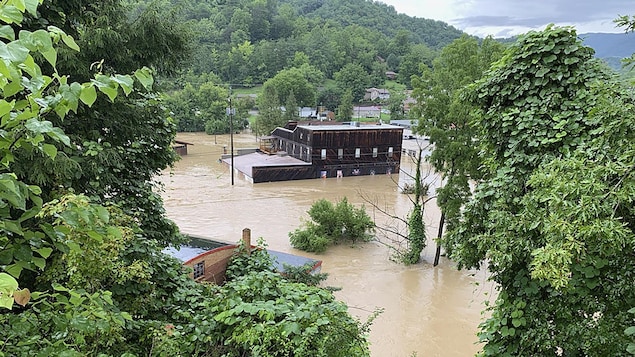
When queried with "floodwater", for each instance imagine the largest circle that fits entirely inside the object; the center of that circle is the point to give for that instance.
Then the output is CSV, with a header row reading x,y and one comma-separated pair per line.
x,y
427,311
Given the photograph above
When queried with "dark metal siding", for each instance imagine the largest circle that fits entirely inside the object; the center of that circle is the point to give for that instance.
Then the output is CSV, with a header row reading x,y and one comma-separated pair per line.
x,y
307,144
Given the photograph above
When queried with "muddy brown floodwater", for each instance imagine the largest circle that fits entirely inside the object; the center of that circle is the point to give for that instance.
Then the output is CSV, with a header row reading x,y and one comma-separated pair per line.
x,y
430,311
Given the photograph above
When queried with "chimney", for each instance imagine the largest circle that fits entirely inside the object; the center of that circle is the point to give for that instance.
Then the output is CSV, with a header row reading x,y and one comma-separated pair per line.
x,y
247,240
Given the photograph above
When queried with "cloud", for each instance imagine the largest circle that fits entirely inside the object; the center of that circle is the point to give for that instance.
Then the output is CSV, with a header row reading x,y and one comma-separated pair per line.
x,y
503,18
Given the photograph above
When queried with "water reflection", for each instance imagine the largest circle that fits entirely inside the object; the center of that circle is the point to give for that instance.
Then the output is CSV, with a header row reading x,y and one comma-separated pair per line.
x,y
430,311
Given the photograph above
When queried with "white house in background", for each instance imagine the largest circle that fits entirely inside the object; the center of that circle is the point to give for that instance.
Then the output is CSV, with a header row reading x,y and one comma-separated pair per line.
x,y
371,111
307,112
376,93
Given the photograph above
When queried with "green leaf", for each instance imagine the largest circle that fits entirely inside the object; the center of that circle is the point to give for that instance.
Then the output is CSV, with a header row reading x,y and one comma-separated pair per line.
x,y
50,150
39,262
70,42
11,192
14,51
12,226
88,95
50,55
39,126
19,4
59,287
58,135
31,6
14,269
10,14
6,107
110,92
541,72
7,283
144,76
7,32
44,252
291,328
126,83
12,88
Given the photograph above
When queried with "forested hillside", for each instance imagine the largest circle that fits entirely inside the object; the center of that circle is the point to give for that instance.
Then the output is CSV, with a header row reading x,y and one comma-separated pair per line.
x,y
249,41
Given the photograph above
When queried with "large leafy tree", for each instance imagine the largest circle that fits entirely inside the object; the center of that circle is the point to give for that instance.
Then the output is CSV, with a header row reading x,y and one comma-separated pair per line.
x,y
103,287
290,81
355,78
120,143
553,215
196,105
447,119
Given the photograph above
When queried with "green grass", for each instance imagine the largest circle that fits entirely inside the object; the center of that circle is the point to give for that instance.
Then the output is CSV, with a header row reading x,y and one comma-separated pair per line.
x,y
253,90
394,86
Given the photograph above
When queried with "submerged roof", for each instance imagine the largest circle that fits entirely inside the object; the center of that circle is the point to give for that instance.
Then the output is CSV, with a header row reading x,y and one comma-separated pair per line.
x,y
198,246
245,163
349,127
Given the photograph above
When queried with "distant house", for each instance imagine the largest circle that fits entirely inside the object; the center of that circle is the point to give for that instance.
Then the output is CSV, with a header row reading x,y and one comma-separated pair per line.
x,y
391,75
326,115
370,111
409,101
316,149
376,94
307,112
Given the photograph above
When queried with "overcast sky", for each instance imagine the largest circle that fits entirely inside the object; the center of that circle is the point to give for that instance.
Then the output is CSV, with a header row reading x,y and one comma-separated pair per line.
x,y
504,18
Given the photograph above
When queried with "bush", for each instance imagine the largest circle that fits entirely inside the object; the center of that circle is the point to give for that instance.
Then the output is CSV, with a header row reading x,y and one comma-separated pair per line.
x,y
310,239
332,224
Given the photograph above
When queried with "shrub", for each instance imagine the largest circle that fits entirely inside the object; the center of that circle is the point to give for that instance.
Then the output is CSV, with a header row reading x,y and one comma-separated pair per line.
x,y
332,224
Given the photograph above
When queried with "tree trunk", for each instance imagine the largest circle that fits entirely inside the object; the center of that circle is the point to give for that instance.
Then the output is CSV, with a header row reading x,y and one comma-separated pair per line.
x,y
439,235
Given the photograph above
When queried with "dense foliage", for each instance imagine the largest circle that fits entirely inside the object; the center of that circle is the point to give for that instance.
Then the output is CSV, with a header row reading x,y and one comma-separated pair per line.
x,y
447,119
553,216
81,265
250,43
332,224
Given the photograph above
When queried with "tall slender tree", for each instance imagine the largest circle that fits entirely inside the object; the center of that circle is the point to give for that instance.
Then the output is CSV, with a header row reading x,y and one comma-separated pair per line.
x,y
447,119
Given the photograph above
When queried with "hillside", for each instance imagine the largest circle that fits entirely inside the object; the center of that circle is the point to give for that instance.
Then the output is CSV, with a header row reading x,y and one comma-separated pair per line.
x,y
378,16
246,42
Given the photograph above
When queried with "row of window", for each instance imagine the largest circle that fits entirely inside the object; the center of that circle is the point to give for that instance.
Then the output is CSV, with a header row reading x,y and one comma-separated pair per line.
x,y
358,153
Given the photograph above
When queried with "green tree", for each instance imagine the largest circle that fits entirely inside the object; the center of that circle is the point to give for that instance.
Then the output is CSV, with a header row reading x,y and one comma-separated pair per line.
x,y
332,224
270,114
290,108
292,80
395,105
345,109
353,77
121,142
447,119
551,215
198,104
101,284
416,226
411,63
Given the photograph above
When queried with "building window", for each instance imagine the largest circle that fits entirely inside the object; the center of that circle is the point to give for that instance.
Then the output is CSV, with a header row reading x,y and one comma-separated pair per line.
x,y
199,269
390,151
375,152
358,153
323,154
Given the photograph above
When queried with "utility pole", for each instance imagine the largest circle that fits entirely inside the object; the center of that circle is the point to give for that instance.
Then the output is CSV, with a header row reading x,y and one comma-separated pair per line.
x,y
230,112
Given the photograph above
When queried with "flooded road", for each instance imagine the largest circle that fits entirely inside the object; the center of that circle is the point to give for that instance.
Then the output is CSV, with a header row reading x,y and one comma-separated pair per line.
x,y
428,311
